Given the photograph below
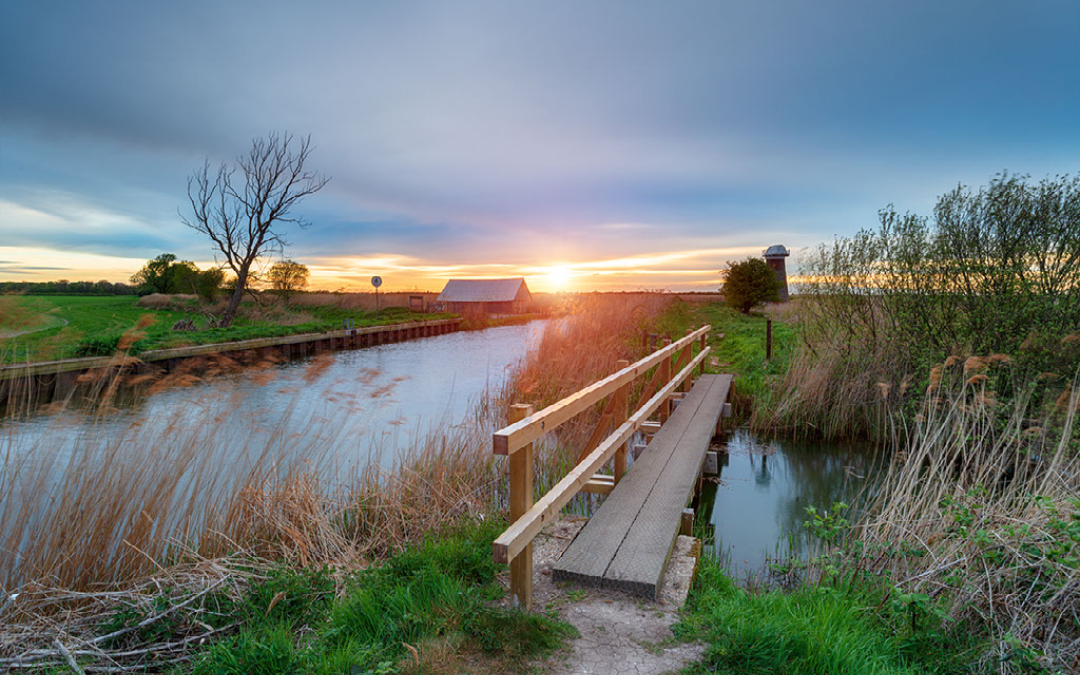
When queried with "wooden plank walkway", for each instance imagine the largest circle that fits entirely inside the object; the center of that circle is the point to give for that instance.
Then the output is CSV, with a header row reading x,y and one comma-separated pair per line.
x,y
627,543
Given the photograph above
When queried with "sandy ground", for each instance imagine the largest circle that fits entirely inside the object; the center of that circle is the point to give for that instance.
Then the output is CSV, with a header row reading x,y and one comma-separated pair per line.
x,y
620,634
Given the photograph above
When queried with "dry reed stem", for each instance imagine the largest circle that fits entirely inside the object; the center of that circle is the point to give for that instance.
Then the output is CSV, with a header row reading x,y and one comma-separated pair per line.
x,y
93,519
988,500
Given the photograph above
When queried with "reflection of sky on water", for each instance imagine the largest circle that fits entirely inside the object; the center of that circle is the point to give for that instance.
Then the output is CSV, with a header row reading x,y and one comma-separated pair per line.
x,y
357,402
766,487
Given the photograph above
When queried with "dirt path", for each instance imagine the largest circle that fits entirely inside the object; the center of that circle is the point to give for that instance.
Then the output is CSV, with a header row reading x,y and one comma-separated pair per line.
x,y
4,335
620,634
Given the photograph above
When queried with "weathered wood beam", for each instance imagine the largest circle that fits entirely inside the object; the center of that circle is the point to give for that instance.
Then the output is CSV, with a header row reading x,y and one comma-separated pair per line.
x,y
508,440
514,540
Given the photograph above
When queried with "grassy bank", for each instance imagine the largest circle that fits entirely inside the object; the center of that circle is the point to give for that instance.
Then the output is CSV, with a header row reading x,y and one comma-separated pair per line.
x,y
848,627
432,608
43,328
94,516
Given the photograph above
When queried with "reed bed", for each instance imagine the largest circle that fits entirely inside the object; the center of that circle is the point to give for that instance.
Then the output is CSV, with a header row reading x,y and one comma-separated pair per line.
x,y
979,516
174,509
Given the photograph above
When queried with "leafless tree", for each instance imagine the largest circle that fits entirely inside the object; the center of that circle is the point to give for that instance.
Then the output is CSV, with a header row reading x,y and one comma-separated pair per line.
x,y
245,208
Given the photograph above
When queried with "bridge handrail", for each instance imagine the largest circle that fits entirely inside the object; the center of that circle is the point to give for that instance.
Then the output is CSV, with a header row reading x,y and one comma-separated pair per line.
x,y
514,545
512,438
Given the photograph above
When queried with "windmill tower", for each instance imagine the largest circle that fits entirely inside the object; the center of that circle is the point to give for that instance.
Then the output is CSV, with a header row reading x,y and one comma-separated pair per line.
x,y
774,257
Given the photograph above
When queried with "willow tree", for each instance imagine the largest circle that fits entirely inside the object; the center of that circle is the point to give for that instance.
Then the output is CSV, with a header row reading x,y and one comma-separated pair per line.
x,y
246,207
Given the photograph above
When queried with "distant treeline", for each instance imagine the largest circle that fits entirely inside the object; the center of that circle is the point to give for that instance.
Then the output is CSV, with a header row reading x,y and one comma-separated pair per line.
x,y
65,287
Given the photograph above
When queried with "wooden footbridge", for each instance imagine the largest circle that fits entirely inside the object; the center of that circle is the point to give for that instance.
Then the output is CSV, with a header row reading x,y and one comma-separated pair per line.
x,y
628,541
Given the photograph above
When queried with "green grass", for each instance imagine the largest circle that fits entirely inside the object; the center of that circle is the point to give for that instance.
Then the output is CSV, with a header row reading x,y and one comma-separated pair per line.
x,y
816,629
74,326
437,598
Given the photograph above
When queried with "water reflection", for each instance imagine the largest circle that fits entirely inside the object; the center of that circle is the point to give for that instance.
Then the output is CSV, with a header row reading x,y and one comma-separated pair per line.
x,y
355,404
765,486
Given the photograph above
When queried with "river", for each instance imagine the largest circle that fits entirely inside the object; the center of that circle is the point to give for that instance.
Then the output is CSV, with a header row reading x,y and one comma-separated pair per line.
x,y
354,405
348,409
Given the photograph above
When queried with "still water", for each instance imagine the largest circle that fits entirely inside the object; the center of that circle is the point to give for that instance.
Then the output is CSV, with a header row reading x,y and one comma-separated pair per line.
x,y
758,506
354,405
362,406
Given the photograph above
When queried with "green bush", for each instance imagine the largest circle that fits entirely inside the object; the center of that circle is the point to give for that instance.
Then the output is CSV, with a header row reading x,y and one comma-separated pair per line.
x,y
750,283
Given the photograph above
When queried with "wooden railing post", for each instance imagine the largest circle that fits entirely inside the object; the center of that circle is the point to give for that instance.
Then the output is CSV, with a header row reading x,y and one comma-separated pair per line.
x,y
687,355
703,339
665,377
521,500
622,413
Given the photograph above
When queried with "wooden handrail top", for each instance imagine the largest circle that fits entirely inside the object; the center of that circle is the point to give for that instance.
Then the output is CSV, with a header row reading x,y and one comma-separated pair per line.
x,y
524,529
510,439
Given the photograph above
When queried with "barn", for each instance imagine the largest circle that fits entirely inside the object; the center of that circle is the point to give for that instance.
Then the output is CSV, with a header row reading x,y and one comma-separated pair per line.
x,y
489,296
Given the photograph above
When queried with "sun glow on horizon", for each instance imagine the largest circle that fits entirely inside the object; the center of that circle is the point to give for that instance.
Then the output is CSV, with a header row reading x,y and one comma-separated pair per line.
x,y
559,277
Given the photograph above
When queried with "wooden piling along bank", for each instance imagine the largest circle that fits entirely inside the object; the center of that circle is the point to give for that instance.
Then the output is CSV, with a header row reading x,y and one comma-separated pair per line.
x,y
671,368
48,381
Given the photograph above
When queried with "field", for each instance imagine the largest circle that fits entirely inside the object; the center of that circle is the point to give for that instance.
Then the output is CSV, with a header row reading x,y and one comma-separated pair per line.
x,y
44,328
965,560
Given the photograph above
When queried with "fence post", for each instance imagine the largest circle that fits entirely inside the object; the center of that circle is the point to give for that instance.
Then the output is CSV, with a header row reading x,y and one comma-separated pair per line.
x,y
704,338
622,413
768,339
521,500
688,352
665,377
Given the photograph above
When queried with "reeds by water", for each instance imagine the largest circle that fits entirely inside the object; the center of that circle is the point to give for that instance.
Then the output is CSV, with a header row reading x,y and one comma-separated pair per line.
x,y
979,512
83,505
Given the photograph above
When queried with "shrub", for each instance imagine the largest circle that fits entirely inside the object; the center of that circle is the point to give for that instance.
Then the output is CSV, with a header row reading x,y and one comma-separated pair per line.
x,y
750,283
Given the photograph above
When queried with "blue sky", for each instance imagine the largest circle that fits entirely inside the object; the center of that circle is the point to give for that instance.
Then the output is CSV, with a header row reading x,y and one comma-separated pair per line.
x,y
627,144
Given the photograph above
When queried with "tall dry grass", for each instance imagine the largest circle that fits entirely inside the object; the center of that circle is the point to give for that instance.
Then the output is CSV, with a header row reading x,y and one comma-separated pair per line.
x,y
980,513
364,301
84,505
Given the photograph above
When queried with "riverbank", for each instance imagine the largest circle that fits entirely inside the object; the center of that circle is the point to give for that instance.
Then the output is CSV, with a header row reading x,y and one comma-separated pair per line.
x,y
847,608
51,328
150,502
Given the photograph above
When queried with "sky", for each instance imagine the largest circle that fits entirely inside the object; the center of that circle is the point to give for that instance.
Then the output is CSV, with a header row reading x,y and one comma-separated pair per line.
x,y
583,144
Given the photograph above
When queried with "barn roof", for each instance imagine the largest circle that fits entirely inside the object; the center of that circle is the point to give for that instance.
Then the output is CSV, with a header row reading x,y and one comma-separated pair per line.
x,y
481,290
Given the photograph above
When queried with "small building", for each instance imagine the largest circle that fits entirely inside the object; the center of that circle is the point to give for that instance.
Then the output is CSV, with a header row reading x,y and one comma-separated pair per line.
x,y
489,296
774,256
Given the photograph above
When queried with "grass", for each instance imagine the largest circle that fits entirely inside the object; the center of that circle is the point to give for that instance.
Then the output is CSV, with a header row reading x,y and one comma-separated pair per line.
x,y
815,629
738,344
96,325
99,520
428,609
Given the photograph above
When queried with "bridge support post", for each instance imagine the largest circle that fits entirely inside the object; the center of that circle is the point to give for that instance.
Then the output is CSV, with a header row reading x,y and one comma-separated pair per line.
x,y
521,500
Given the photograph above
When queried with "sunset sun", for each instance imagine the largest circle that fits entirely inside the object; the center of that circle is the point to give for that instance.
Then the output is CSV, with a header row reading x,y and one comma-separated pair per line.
x,y
558,277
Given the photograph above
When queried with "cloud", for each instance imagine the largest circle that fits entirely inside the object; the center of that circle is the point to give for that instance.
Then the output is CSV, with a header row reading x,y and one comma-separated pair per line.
x,y
479,133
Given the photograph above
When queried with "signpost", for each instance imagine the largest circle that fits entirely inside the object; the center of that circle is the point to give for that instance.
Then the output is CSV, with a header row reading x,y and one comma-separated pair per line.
x,y
376,282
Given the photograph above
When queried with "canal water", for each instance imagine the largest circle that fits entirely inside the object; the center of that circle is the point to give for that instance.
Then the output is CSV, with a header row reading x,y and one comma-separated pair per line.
x,y
353,406
758,503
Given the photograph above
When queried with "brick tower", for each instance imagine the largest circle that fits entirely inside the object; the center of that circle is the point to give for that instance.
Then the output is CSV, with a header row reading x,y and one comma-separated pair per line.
x,y
774,256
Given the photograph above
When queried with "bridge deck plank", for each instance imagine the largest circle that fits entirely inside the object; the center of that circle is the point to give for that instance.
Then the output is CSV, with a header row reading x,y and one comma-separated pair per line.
x,y
627,543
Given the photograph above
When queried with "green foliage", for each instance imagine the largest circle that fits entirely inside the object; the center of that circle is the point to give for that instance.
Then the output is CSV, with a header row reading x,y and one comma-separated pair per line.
x,y
993,271
816,629
92,326
208,283
437,591
287,277
749,283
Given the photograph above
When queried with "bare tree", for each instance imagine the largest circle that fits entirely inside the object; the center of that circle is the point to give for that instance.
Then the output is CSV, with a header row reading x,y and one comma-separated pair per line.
x,y
245,208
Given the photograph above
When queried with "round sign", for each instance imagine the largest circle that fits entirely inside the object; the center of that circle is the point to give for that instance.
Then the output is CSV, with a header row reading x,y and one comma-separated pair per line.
x,y
376,281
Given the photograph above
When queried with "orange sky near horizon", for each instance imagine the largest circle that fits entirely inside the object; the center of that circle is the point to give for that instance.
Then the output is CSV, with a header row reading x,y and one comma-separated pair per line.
x,y
692,270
